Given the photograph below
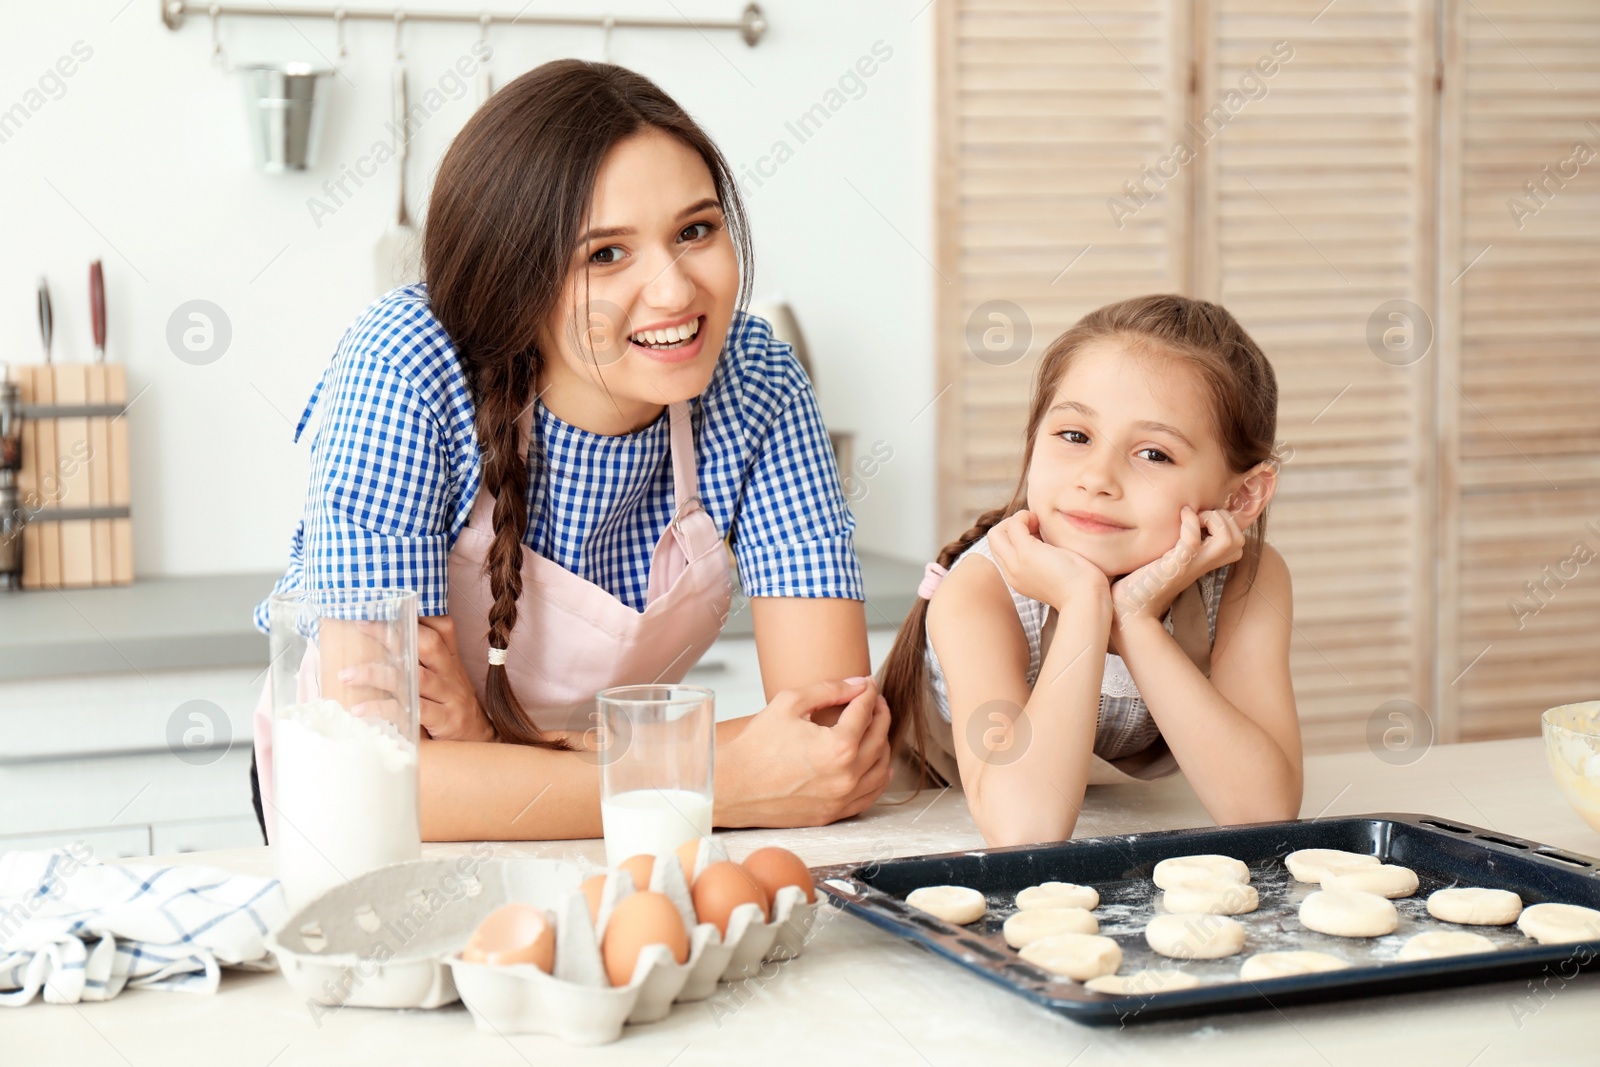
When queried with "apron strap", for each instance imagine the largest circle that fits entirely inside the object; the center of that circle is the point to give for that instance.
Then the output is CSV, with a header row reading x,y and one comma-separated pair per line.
x,y
685,480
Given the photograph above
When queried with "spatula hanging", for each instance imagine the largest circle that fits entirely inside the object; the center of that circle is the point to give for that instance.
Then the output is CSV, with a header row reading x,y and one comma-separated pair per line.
x,y
394,257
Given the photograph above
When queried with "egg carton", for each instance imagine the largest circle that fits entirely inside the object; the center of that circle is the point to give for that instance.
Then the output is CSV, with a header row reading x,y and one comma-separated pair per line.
x,y
576,1002
390,939
380,940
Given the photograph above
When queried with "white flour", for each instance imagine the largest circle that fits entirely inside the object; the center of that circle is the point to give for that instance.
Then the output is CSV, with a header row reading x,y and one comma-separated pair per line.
x,y
346,796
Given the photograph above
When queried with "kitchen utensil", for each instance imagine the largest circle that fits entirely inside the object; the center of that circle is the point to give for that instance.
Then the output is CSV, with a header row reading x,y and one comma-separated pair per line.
x,y
393,256
46,317
100,462
97,309
656,767
1442,852
12,516
485,75
285,104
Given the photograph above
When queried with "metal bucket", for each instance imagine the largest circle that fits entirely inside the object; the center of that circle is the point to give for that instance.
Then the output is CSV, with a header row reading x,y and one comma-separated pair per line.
x,y
285,104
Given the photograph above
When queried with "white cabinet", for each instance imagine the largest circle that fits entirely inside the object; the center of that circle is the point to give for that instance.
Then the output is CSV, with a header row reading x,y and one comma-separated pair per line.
x,y
131,764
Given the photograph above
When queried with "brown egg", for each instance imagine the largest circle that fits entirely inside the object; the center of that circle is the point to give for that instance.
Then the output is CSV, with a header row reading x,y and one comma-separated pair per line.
x,y
593,888
640,867
513,933
722,887
688,852
639,920
775,868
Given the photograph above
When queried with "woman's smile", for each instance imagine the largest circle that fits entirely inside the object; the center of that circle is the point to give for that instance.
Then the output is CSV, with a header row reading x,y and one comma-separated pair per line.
x,y
676,342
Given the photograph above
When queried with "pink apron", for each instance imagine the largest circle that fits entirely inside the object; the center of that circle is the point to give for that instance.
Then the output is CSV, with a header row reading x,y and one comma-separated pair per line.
x,y
572,638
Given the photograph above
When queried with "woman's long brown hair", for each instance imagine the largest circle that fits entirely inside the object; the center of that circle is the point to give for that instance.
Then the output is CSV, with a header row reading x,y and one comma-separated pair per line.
x,y
501,239
1244,408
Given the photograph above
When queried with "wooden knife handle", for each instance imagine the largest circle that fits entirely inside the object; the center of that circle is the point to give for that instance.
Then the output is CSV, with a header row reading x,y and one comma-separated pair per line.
x,y
97,306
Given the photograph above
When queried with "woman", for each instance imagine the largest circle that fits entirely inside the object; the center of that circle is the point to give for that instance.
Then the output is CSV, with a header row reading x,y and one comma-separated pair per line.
x,y
553,439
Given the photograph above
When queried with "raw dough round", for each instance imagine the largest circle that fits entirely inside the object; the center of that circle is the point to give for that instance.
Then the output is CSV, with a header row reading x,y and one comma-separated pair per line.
x,y
1436,944
1386,880
1058,895
1551,924
1265,965
1475,907
1315,864
1026,927
952,903
1346,914
1141,983
1210,896
1077,956
1169,872
1195,937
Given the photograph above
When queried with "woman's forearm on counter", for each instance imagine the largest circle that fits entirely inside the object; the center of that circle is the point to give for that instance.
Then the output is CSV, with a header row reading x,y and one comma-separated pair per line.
x,y
485,791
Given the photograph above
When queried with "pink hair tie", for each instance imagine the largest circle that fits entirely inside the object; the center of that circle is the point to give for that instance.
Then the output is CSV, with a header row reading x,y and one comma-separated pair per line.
x,y
932,575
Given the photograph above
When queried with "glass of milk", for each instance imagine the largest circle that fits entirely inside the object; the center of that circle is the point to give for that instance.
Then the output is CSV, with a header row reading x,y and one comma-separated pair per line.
x,y
657,745
344,751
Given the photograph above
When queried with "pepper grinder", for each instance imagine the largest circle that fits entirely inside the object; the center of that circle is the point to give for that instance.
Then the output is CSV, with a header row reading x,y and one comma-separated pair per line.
x,y
11,515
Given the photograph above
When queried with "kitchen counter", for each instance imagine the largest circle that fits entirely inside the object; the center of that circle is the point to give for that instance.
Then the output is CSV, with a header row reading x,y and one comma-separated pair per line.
x,y
196,623
859,995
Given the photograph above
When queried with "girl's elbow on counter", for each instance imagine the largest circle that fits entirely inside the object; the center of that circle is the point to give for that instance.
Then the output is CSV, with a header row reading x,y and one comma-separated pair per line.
x,y
1002,831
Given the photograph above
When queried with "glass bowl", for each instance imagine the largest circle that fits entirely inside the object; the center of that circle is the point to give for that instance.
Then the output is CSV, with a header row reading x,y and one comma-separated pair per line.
x,y
1572,741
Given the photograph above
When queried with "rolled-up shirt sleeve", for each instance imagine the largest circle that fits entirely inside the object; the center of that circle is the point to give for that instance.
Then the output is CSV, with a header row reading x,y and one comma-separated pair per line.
x,y
377,509
794,535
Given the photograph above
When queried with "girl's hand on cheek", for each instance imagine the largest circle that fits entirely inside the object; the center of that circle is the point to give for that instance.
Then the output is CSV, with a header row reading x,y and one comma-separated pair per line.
x,y
1205,542
1041,571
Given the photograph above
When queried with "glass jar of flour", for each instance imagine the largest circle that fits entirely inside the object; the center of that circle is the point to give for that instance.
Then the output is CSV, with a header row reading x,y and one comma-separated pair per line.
x,y
345,723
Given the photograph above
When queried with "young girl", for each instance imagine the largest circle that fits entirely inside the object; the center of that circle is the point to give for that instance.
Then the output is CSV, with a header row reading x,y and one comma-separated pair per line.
x,y
1122,616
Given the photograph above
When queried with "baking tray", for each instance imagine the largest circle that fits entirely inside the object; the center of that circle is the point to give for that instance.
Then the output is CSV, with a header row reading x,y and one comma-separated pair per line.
x,y
1442,852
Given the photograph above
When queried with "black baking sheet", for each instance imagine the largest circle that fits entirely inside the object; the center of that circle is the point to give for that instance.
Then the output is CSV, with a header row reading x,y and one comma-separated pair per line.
x,y
1442,852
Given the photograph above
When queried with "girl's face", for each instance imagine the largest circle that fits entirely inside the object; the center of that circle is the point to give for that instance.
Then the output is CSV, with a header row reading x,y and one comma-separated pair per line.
x,y
651,291
1126,442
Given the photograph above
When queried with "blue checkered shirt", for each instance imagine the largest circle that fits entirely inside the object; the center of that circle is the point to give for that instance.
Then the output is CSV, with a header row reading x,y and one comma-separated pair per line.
x,y
395,468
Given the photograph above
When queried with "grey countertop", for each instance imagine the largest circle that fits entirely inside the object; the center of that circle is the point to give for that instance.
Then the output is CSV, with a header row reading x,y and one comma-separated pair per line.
x,y
198,623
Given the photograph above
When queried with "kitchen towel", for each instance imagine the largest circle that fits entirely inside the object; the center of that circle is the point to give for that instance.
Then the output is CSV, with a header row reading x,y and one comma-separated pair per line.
x,y
82,930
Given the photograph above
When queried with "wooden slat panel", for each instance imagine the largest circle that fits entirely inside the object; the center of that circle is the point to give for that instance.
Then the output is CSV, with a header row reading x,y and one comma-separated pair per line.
x,y
1530,597
1524,89
1314,209
1045,111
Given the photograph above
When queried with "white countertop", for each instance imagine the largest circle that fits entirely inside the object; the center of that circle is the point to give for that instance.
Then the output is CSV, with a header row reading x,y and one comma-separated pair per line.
x,y
863,996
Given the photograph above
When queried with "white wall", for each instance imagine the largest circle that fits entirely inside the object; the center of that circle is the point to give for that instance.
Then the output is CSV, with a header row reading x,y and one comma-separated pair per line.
x,y
142,160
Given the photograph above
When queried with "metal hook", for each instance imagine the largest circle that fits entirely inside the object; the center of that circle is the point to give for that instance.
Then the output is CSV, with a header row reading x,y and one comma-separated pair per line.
x,y
605,43
215,11
338,32
399,27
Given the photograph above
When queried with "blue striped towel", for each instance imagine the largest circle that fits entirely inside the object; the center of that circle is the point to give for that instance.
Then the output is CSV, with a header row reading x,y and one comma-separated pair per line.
x,y
82,930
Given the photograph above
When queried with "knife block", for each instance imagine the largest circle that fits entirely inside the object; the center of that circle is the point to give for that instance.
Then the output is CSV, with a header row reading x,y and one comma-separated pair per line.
x,y
73,483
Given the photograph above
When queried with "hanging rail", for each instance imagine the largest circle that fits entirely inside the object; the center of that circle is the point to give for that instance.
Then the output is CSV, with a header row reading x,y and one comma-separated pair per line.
x,y
751,23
